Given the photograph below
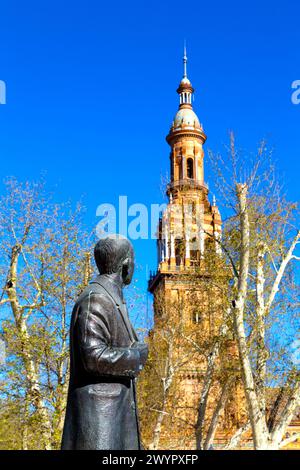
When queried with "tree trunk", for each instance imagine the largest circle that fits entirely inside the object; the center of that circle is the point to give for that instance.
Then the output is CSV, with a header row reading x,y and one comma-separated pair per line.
x,y
260,329
207,381
257,417
167,382
236,438
215,418
34,393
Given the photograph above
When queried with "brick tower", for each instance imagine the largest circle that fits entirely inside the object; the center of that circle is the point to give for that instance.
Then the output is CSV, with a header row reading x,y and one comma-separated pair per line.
x,y
184,305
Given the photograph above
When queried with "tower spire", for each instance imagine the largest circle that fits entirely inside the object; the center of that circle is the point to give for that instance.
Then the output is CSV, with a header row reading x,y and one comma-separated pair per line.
x,y
184,60
185,89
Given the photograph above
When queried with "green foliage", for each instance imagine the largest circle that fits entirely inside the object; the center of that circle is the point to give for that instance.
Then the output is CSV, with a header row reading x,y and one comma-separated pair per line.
x,y
43,266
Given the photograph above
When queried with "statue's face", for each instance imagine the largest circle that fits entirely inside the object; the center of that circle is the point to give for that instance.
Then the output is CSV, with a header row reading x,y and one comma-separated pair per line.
x,y
128,268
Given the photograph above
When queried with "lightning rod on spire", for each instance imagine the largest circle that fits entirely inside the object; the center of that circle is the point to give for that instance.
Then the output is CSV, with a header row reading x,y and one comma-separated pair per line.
x,y
184,60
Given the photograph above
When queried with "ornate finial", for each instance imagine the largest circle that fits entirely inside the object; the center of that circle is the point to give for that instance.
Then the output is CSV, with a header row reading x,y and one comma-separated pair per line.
x,y
184,60
214,200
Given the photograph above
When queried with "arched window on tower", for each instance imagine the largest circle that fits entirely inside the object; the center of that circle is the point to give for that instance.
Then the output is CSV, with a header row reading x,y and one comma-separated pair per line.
x,y
179,251
194,252
190,168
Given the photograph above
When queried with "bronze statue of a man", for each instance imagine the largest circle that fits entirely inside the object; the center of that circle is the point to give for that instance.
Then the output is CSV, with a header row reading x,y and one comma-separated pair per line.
x,y
106,357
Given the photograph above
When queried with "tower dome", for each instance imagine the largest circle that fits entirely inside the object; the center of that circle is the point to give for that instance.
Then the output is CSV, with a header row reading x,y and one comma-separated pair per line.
x,y
186,117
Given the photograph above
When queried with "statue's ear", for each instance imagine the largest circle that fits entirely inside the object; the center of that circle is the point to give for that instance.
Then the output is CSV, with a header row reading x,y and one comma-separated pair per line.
x,y
125,265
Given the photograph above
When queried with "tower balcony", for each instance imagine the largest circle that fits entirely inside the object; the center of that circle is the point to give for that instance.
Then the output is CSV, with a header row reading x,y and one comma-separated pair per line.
x,y
186,183
170,270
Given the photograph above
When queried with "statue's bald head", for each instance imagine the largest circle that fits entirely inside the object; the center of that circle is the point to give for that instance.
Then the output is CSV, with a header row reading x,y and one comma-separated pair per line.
x,y
115,255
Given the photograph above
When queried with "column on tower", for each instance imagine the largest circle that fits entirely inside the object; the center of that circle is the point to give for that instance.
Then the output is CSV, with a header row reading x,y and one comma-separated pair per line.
x,y
168,236
199,223
167,242
177,164
183,166
172,257
162,252
201,241
198,157
187,250
164,239
187,229
158,246
172,159
196,165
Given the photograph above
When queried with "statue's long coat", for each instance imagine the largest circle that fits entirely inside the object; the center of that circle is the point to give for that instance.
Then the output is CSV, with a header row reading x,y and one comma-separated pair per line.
x,y
101,408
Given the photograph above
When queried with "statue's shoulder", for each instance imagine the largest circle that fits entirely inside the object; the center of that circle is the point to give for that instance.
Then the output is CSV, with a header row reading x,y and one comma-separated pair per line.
x,y
93,295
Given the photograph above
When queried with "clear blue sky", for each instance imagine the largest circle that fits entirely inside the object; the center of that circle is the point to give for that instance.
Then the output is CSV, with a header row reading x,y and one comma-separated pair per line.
x,y
91,90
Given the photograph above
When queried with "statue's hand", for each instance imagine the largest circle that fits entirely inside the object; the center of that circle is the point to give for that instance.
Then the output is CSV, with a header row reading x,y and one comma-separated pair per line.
x,y
143,350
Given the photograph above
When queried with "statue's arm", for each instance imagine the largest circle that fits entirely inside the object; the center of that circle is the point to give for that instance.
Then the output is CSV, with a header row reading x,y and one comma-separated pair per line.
x,y
93,330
